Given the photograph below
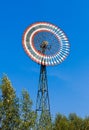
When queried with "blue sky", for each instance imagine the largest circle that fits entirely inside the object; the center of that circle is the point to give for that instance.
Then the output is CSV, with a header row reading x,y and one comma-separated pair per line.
x,y
69,81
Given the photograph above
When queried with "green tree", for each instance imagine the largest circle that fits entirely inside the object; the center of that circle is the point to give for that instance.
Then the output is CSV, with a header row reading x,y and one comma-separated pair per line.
x,y
9,106
28,116
61,123
75,122
85,124
1,106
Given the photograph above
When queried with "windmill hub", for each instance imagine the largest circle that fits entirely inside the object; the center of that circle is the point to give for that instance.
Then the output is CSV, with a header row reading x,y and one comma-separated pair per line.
x,y
44,45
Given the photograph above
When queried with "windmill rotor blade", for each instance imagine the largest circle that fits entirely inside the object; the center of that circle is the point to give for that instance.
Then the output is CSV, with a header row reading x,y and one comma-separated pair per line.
x,y
46,43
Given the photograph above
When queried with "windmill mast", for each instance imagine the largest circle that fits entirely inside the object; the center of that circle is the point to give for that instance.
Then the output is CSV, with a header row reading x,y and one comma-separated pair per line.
x,y
42,103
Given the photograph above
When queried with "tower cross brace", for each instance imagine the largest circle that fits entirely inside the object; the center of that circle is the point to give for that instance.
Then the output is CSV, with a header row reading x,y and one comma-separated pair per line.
x,y
42,103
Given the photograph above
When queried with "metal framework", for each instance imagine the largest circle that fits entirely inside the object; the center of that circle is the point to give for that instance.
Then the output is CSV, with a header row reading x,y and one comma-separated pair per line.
x,y
47,45
42,103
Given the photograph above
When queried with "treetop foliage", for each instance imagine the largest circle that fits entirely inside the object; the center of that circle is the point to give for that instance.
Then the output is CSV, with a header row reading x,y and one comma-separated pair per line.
x,y
16,113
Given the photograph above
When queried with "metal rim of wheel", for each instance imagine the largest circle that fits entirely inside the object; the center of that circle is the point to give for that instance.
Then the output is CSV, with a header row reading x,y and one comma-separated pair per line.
x,y
46,35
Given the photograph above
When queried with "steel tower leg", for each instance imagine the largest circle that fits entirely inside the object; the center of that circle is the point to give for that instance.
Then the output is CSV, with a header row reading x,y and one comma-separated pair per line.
x,y
42,104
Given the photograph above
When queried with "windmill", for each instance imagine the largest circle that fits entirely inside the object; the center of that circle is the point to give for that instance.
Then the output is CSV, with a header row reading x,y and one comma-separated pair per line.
x,y
47,45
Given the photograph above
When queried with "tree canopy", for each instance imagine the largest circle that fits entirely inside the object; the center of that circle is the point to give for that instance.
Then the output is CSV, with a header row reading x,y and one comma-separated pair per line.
x,y
16,113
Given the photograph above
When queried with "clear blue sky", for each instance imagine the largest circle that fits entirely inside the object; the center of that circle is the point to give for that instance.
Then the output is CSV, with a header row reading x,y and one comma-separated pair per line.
x,y
68,82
